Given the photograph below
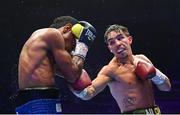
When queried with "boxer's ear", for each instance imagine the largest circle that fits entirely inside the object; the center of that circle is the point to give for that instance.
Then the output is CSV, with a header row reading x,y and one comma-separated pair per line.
x,y
130,38
67,28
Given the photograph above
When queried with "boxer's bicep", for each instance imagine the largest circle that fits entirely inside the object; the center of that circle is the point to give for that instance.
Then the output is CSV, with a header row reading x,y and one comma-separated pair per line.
x,y
102,79
99,84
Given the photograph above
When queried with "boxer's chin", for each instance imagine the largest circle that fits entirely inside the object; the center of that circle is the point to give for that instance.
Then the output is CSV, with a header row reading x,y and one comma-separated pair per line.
x,y
123,54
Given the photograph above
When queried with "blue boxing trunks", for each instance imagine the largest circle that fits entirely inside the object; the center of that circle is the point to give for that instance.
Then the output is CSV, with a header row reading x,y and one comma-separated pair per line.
x,y
38,101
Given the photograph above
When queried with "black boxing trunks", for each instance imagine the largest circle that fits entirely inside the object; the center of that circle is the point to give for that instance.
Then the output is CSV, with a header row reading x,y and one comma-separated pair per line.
x,y
151,110
43,100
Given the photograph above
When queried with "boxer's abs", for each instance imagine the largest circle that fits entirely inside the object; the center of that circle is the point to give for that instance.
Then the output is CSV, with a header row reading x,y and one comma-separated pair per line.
x,y
139,96
35,76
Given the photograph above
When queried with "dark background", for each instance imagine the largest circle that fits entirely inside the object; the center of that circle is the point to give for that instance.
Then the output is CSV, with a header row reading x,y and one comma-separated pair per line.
x,y
154,25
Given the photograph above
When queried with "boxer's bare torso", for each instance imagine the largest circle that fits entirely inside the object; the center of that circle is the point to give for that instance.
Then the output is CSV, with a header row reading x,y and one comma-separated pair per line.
x,y
42,51
128,90
36,65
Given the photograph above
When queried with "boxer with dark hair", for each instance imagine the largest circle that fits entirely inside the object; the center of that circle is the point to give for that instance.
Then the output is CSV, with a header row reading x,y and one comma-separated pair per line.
x,y
128,76
49,51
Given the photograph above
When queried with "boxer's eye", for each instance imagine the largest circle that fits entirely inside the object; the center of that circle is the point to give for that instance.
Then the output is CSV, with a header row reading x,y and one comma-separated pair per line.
x,y
111,41
119,37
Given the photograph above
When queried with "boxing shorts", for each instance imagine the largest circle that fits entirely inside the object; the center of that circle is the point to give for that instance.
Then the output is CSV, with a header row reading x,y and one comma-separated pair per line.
x,y
151,110
44,100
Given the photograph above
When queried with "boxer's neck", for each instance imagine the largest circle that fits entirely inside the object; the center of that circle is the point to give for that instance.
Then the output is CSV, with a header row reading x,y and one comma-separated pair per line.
x,y
123,61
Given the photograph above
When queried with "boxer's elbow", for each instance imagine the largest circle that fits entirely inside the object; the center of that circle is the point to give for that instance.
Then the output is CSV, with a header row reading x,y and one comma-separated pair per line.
x,y
73,77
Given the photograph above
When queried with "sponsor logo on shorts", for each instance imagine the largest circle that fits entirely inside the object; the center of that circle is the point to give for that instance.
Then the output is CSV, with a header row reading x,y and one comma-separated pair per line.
x,y
58,107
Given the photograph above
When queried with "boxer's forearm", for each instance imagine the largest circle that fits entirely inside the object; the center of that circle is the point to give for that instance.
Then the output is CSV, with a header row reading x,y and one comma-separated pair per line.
x,y
78,61
87,93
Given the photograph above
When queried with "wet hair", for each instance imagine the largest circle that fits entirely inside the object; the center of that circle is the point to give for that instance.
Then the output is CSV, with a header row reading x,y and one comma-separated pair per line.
x,y
116,28
62,21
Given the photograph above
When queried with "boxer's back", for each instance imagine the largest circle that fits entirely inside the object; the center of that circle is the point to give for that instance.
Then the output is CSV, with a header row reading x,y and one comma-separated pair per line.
x,y
35,65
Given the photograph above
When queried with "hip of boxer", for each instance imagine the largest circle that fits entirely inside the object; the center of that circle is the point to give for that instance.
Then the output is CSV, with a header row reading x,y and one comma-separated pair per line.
x,y
39,100
150,110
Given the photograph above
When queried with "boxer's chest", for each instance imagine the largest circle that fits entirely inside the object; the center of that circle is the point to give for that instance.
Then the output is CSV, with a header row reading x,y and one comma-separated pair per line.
x,y
125,74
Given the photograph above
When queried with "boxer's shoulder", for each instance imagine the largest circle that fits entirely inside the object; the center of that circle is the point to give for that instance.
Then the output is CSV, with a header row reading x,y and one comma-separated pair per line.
x,y
142,57
139,56
50,35
106,70
46,32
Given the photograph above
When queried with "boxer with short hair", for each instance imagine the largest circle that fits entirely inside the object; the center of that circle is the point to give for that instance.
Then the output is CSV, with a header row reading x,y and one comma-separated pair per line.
x,y
49,51
128,76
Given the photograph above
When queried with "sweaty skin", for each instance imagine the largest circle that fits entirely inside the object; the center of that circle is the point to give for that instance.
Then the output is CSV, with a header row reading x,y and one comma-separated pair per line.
x,y
127,89
44,50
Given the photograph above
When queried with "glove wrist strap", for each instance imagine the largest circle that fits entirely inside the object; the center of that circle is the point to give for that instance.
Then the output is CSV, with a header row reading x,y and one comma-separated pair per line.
x,y
159,78
82,94
81,50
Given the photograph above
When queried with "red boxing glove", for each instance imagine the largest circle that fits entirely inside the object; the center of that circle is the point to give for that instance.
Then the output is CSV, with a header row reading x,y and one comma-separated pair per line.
x,y
83,82
145,70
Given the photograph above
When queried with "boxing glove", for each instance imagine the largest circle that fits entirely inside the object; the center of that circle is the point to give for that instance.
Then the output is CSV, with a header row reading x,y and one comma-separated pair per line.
x,y
145,70
83,82
148,71
86,34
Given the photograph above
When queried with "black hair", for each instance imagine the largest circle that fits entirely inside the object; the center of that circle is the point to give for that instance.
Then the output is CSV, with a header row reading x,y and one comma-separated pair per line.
x,y
116,28
62,21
